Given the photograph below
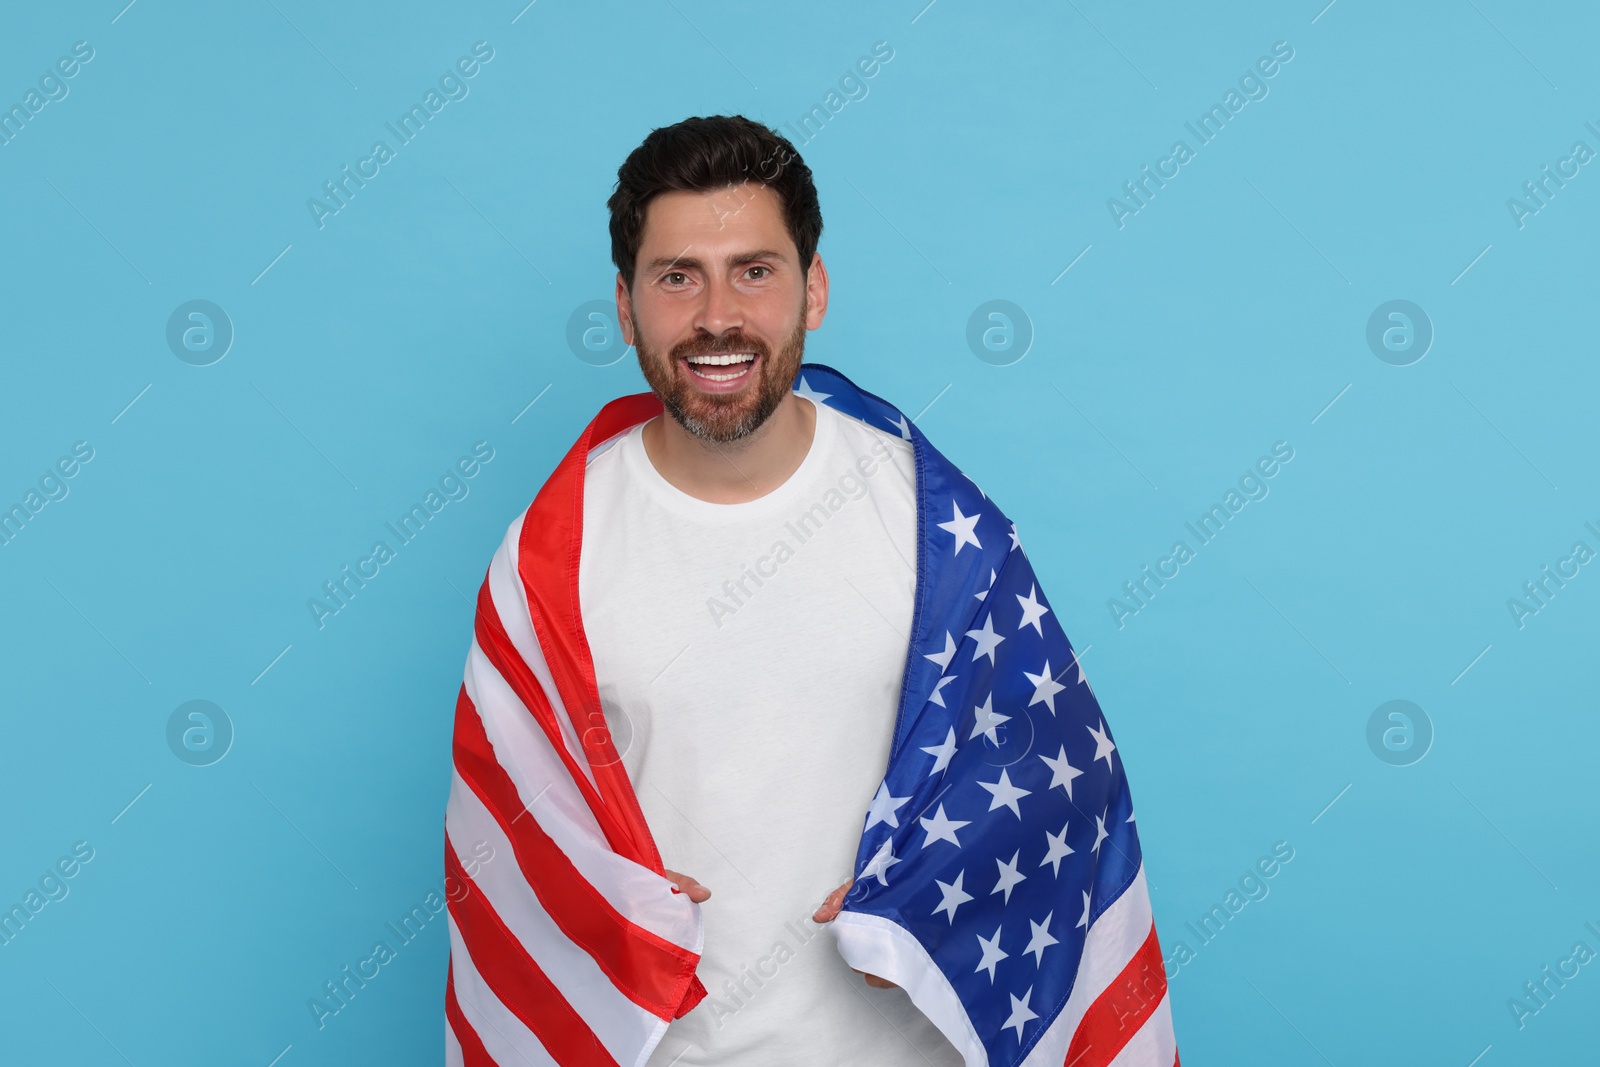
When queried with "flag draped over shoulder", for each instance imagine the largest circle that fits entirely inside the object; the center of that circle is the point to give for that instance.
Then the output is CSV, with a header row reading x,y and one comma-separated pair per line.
x,y
999,877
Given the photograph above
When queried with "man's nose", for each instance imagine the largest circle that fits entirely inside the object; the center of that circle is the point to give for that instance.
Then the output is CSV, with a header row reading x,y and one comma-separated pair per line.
x,y
722,309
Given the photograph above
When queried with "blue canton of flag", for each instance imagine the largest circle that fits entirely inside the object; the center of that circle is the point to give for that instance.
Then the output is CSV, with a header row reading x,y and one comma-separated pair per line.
x,y
999,875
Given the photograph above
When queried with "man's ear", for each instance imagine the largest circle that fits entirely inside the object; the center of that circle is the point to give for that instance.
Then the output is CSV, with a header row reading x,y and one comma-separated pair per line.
x,y
816,292
624,310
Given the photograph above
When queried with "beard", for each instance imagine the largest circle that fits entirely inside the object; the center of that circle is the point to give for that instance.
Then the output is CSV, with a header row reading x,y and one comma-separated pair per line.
x,y
722,418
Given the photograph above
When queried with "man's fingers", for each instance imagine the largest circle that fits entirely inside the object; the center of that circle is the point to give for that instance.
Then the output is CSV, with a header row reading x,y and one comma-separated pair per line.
x,y
874,981
829,911
696,892
833,905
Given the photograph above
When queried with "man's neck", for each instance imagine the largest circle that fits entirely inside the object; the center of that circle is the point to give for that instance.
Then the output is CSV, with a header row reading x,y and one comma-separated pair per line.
x,y
742,470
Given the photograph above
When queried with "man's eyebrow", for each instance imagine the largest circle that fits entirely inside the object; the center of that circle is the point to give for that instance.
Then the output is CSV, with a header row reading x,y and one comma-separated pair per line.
x,y
693,263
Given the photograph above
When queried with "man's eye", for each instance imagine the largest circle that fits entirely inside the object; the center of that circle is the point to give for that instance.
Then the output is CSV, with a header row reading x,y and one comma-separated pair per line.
x,y
767,269
674,274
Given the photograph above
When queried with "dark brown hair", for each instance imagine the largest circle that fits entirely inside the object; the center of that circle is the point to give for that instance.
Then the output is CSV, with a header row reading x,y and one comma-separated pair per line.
x,y
714,152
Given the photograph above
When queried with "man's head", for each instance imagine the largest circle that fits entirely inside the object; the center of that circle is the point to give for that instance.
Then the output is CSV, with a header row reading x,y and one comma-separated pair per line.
x,y
714,230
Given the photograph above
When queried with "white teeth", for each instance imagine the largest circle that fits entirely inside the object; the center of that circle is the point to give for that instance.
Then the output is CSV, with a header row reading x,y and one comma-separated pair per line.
x,y
723,360
723,377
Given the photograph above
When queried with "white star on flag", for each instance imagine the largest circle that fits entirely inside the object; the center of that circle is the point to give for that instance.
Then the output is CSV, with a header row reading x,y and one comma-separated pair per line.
x,y
880,862
1056,851
992,954
986,719
1099,832
943,658
1004,793
964,527
1102,744
1009,876
884,807
1077,661
1032,610
1045,687
809,393
942,753
941,828
986,638
954,896
1020,1012
1041,939
1061,771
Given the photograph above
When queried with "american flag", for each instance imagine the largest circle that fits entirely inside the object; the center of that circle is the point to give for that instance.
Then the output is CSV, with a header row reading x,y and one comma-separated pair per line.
x,y
999,876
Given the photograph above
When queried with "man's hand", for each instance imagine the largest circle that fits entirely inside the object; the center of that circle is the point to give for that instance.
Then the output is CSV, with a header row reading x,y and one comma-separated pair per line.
x,y
697,892
829,911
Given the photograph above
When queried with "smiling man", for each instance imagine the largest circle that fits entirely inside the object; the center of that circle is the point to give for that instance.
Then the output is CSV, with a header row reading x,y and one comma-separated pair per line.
x,y
716,579
714,295
715,708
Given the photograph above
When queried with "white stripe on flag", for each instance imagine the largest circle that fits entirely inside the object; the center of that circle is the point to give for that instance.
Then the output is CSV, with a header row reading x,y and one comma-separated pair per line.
x,y
511,604
521,747
549,795
1154,1044
618,1022
1113,940
879,946
452,1047
506,1038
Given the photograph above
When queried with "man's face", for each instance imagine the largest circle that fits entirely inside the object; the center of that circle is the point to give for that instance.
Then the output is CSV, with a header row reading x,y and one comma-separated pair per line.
x,y
718,275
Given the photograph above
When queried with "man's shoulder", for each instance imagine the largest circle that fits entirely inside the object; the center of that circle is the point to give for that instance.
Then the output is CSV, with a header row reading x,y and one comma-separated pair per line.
x,y
865,437
606,453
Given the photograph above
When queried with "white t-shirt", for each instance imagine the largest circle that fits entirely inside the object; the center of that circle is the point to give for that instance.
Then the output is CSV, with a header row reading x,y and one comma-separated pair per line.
x,y
749,659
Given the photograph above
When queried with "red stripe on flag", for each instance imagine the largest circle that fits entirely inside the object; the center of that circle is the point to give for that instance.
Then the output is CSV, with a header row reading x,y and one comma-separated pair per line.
x,y
517,980
505,658
473,1054
648,969
549,552
1121,1008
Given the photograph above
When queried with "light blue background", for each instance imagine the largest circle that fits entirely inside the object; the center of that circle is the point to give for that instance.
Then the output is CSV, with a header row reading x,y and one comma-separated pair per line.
x,y
426,315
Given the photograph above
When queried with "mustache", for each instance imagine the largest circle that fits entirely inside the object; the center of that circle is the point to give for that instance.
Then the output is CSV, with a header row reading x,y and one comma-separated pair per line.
x,y
709,346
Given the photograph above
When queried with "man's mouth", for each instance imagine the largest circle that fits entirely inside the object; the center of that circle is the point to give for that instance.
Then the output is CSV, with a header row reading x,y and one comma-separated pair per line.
x,y
721,366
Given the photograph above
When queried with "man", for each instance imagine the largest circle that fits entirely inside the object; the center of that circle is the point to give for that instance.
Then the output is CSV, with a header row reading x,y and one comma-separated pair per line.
x,y
691,661
748,760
